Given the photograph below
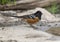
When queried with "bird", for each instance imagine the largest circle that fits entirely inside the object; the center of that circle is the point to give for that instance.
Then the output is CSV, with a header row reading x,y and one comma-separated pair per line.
x,y
32,18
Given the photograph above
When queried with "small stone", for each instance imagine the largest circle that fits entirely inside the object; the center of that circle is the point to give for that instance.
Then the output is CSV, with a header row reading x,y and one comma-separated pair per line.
x,y
40,25
2,28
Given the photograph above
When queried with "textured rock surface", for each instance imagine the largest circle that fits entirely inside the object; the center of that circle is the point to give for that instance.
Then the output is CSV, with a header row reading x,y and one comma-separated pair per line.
x,y
55,31
23,33
46,16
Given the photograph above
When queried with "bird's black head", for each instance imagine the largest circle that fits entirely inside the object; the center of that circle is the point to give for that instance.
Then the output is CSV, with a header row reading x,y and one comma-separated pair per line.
x,y
38,14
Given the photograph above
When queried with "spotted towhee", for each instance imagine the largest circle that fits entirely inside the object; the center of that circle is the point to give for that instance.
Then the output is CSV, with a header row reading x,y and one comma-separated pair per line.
x,y
32,18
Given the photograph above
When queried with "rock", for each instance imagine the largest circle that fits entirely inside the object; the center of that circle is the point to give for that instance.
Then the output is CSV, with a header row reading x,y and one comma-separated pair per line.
x,y
46,16
6,21
23,33
8,13
55,31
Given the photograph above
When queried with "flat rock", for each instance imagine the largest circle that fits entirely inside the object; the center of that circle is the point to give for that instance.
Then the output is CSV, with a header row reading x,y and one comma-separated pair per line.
x,y
54,30
23,33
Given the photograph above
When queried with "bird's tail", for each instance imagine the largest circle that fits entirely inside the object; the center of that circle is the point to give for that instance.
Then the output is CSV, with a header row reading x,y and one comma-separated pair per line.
x,y
18,16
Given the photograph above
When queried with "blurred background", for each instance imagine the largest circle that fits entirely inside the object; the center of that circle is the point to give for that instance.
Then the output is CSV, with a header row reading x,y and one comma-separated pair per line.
x,y
52,6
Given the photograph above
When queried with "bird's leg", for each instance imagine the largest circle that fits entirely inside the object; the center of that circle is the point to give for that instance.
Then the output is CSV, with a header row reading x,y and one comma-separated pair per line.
x,y
33,26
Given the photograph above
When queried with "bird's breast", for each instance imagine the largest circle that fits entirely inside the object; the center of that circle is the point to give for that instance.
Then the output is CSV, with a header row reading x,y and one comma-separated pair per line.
x,y
32,21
